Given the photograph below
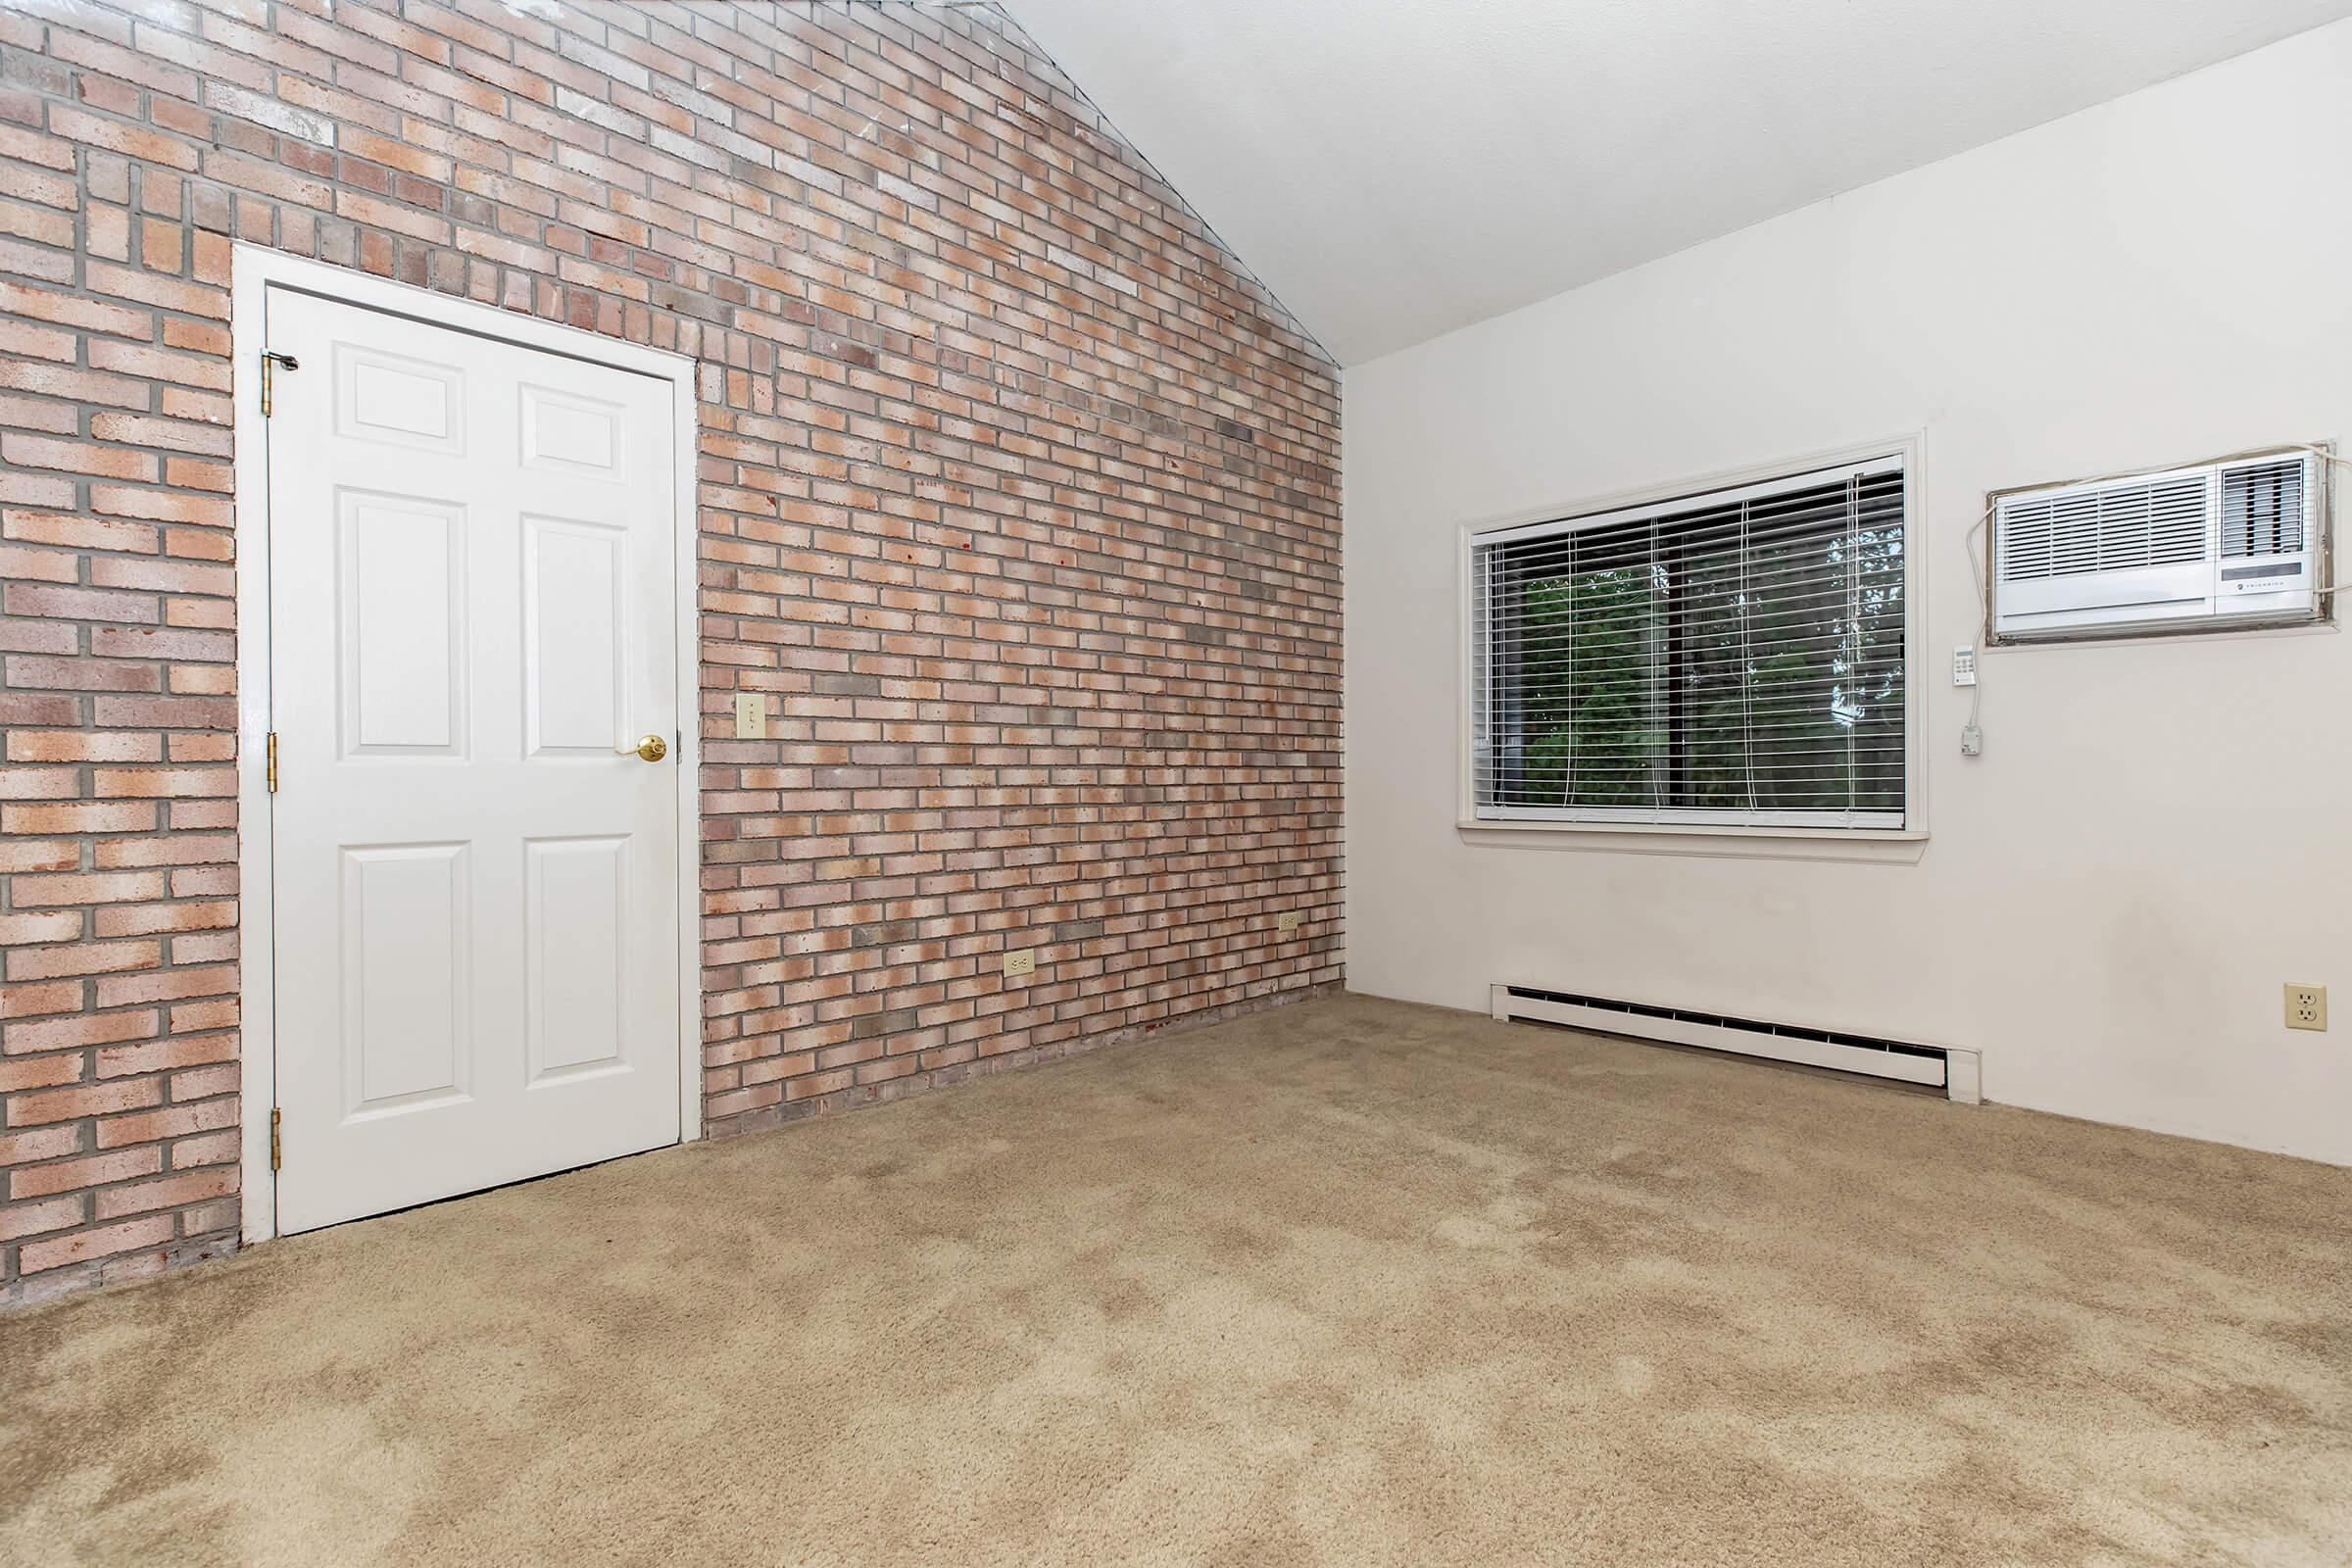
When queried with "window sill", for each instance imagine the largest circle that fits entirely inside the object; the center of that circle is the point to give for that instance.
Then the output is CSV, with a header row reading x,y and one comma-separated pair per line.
x,y
1896,846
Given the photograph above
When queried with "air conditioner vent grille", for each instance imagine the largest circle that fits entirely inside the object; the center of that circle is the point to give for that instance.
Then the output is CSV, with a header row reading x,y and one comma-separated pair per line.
x,y
2150,524
2262,509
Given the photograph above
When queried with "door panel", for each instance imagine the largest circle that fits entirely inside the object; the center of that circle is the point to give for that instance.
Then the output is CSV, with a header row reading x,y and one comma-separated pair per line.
x,y
575,580
578,926
472,619
406,1008
399,623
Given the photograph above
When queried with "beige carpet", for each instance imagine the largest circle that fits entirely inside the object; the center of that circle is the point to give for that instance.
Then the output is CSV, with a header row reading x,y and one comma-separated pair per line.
x,y
1346,1283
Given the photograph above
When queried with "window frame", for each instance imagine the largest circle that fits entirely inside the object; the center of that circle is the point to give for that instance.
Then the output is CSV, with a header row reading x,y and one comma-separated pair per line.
x,y
1704,828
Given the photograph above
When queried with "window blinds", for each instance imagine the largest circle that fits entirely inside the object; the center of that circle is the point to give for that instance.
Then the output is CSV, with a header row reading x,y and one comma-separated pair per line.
x,y
1731,657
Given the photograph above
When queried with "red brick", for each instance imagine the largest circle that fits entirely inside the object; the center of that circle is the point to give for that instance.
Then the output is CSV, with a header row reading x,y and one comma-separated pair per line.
x,y
71,1175
164,367
178,849
147,642
78,675
159,505
126,817
87,888
34,1257
87,1100
149,288
166,576
167,712
84,745
160,1056
82,533
127,64
170,1121
79,457
26,707
165,1192
219,615
82,958
210,337
31,1219
81,1029
37,1143
166,984
165,782
24,490
94,316
161,246
77,604
64,381
39,1072
25,340
18,930
202,1083
39,783
144,919
38,565
22,635
207,1148
30,147
196,474
33,1000
30,413
218,1014
40,854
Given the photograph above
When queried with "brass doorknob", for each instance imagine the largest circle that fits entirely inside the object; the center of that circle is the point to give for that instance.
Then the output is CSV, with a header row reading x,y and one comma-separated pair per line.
x,y
653,748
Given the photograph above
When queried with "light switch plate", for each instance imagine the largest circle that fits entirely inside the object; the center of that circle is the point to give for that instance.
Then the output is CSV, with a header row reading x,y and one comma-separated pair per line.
x,y
751,715
1019,962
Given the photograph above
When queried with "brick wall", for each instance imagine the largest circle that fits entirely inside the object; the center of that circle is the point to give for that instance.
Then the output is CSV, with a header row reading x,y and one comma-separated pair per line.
x,y
1015,490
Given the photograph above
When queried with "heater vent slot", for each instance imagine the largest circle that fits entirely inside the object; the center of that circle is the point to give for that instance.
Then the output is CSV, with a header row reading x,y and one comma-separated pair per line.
x,y
1945,1067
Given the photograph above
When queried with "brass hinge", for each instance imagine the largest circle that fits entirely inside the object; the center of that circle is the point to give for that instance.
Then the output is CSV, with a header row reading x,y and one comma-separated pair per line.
x,y
277,1150
270,365
270,762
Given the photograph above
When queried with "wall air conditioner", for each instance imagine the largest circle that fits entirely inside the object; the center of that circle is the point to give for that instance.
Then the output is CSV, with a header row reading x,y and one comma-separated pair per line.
x,y
2235,543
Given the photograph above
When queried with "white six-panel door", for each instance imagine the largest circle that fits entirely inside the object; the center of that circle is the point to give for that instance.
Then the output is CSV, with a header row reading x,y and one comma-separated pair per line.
x,y
472,626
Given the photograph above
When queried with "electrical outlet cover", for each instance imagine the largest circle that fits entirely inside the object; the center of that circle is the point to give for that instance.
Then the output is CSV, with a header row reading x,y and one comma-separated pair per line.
x,y
2306,1006
1287,921
750,716
1019,962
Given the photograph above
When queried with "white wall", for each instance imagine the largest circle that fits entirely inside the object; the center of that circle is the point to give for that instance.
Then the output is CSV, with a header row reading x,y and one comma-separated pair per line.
x,y
2158,834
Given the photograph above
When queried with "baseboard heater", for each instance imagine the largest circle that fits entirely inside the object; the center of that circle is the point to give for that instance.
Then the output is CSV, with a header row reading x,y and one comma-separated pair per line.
x,y
1945,1067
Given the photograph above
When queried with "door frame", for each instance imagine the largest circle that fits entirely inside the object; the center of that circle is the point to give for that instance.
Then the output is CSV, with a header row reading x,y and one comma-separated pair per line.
x,y
254,270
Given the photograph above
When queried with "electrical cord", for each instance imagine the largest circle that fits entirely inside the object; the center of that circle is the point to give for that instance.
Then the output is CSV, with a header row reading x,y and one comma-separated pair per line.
x,y
1976,688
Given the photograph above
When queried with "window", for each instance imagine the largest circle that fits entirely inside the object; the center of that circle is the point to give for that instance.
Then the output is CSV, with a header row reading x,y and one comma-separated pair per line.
x,y
1732,658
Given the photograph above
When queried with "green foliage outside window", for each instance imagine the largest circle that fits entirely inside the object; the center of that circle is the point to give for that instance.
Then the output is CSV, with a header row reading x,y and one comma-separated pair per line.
x,y
1653,668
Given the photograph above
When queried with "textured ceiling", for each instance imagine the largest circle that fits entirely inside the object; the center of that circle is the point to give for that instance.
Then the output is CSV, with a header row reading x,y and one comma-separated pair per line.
x,y
1396,168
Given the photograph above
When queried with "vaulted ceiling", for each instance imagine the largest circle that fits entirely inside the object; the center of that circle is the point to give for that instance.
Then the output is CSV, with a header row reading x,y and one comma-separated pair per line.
x,y
1395,169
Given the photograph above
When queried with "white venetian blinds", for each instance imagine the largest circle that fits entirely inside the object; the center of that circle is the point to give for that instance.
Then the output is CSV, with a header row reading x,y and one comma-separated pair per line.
x,y
1735,656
